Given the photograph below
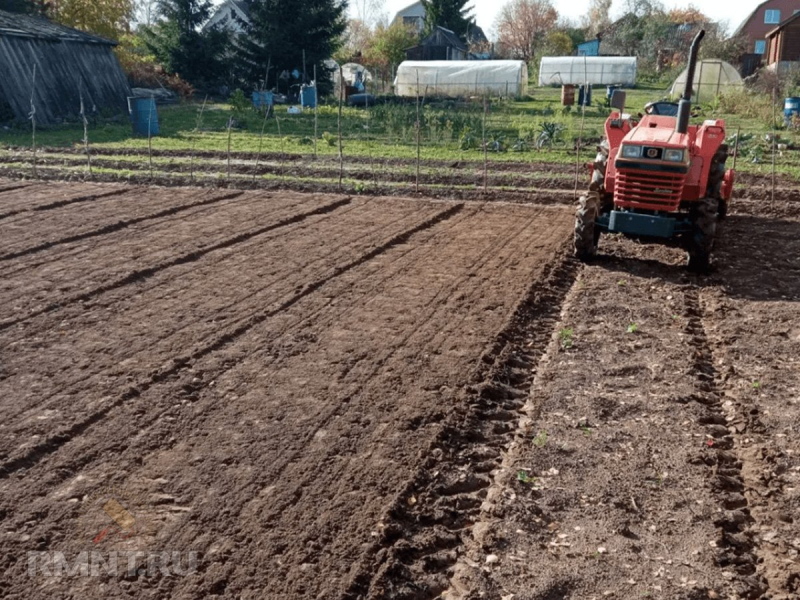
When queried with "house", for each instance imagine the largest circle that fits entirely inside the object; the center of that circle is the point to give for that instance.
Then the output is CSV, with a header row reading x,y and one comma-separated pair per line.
x,y
783,44
590,48
412,15
765,18
441,44
231,15
69,64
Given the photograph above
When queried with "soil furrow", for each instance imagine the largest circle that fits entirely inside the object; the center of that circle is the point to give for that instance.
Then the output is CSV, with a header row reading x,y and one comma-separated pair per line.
x,y
117,226
182,259
56,441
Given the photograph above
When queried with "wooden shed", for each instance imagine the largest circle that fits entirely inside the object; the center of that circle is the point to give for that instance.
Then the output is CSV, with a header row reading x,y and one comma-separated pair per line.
x,y
68,62
783,43
441,44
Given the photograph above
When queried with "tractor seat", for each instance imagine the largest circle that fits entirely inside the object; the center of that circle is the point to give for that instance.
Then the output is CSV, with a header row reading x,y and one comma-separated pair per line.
x,y
664,109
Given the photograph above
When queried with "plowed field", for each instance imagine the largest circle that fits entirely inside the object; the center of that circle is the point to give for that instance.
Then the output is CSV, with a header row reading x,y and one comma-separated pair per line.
x,y
331,396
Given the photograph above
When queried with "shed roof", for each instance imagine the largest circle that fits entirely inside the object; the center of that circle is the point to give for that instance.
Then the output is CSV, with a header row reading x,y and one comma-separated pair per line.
x,y
448,36
794,17
12,24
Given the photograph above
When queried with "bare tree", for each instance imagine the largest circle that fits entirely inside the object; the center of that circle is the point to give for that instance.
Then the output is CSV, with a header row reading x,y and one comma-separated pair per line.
x,y
368,12
146,12
597,19
523,24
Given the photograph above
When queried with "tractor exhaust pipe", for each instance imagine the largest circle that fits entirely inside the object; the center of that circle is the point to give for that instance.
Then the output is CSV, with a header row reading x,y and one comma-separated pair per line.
x,y
685,103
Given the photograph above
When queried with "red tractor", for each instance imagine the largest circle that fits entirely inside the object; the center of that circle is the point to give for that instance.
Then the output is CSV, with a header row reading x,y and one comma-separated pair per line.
x,y
658,177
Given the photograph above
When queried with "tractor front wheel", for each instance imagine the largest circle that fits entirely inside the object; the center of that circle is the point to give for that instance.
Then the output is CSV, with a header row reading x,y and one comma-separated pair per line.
x,y
704,229
587,234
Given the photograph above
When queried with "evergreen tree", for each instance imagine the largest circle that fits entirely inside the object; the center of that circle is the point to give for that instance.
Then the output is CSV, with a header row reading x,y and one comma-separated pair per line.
x,y
450,14
281,31
182,48
28,7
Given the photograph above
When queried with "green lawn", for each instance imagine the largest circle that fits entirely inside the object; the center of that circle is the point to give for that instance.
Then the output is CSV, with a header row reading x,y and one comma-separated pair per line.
x,y
449,130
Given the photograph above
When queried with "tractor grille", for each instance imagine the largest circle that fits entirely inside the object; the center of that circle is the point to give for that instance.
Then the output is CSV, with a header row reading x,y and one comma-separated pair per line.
x,y
650,190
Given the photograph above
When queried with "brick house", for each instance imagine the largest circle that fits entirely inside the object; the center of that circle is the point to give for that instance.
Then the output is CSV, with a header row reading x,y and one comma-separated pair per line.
x,y
766,17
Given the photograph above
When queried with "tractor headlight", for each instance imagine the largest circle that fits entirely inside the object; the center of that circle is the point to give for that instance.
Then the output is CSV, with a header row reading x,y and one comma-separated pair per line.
x,y
674,155
631,151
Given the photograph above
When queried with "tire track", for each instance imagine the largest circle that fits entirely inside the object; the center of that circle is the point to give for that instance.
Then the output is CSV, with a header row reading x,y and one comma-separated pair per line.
x,y
737,544
56,441
415,564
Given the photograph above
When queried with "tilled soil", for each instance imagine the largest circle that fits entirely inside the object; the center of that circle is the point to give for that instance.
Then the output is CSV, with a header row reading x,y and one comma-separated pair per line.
x,y
657,454
328,396
260,375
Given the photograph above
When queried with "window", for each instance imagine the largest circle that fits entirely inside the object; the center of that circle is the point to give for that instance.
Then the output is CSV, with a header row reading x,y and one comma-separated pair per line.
x,y
772,16
761,46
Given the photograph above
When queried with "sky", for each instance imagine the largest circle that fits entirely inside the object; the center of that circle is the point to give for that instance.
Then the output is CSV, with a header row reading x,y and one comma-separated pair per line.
x,y
486,11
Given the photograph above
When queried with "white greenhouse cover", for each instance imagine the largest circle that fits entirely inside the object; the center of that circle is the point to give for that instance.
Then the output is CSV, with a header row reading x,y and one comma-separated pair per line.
x,y
711,78
458,78
592,70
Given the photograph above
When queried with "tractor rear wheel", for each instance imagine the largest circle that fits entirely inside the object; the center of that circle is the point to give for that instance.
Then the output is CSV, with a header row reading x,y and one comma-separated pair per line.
x,y
704,228
587,234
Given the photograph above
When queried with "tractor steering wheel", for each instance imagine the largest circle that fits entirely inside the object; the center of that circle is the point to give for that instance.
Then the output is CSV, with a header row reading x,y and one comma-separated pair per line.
x,y
665,109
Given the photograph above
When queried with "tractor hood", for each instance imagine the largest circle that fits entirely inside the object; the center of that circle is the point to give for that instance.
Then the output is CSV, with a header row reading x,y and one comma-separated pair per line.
x,y
658,130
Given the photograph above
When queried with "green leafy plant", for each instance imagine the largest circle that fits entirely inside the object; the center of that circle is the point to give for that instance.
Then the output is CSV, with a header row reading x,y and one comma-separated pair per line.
x,y
540,440
525,478
632,328
329,139
756,385
240,108
549,133
565,335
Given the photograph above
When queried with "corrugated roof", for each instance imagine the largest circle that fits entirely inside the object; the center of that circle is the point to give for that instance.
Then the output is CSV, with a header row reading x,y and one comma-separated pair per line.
x,y
13,24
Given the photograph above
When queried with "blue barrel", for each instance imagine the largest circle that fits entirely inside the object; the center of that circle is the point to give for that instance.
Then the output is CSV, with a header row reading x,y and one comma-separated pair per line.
x,y
585,95
308,96
791,109
144,116
262,99
610,92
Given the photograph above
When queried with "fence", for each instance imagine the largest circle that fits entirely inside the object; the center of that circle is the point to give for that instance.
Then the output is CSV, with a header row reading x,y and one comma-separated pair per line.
x,y
472,145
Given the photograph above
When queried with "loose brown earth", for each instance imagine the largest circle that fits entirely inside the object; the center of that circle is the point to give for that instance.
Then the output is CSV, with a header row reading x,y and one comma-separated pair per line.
x,y
327,396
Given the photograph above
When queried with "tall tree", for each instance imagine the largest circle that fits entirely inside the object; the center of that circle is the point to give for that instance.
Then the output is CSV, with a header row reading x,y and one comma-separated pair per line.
x,y
355,41
597,18
108,18
368,12
450,14
29,7
523,26
292,36
182,48
388,46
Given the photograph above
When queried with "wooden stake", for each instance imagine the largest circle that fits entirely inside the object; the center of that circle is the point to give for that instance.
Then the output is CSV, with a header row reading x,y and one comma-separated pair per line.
x,y
316,102
32,117
261,141
150,134
485,149
774,143
417,127
85,129
198,124
339,126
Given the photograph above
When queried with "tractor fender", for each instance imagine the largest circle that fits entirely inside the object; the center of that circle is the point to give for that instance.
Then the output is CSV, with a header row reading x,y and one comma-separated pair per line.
x,y
727,184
